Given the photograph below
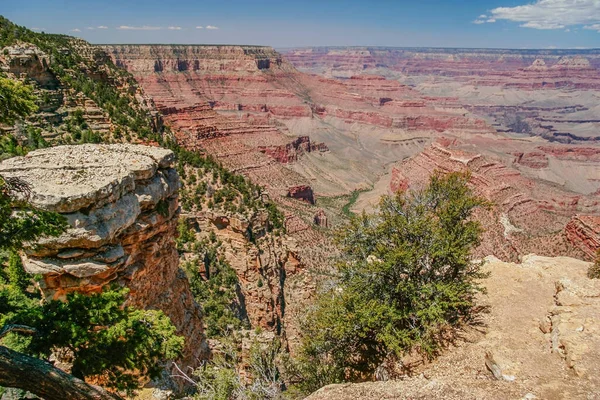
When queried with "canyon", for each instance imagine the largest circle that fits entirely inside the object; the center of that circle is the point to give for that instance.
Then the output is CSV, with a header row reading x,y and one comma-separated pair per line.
x,y
319,124
322,133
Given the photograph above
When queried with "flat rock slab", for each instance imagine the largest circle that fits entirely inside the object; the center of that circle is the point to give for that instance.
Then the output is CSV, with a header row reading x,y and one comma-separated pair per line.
x,y
66,179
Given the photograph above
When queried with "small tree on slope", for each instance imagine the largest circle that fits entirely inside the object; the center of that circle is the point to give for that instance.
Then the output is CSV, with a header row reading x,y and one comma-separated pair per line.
x,y
405,277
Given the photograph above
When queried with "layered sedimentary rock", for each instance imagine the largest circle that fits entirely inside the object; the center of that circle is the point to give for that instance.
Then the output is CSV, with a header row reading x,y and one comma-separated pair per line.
x,y
303,193
346,61
121,204
272,272
526,215
191,85
59,100
253,110
544,342
583,231
552,90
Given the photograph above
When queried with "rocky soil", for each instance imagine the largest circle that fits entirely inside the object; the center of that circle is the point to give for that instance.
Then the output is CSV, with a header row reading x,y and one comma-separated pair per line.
x,y
121,202
541,338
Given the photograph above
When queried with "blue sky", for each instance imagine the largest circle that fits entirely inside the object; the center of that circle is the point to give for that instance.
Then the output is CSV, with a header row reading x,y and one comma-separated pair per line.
x,y
451,23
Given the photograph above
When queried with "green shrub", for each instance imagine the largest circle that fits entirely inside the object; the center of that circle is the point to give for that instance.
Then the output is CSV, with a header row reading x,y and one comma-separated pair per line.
x,y
405,277
216,289
594,271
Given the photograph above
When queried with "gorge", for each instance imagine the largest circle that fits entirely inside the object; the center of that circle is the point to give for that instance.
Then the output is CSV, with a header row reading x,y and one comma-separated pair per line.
x,y
211,180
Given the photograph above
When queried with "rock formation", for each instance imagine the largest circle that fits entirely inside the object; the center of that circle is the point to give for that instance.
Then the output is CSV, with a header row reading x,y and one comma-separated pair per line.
x,y
121,203
552,88
303,193
320,219
583,231
526,216
545,341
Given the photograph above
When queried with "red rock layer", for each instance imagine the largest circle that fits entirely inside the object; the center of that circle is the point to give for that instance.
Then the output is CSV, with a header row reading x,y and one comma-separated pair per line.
x,y
583,231
527,216
189,84
529,69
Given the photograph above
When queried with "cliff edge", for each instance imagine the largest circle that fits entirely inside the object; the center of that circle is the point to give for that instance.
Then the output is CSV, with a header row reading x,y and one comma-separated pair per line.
x,y
539,340
121,202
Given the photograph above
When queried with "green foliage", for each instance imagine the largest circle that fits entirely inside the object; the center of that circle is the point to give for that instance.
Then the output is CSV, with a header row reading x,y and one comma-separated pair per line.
x,y
110,342
594,270
236,194
351,201
16,100
18,279
406,277
215,288
219,379
81,73
20,222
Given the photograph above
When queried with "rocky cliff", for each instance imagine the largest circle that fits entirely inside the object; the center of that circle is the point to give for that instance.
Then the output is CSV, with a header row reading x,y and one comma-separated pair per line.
x,y
121,203
253,110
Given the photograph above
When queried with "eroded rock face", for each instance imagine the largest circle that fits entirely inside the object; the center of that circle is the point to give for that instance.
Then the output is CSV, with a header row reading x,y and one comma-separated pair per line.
x,y
528,215
302,192
121,202
583,231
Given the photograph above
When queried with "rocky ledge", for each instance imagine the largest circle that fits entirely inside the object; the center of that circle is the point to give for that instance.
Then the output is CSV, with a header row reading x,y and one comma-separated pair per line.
x,y
121,203
539,339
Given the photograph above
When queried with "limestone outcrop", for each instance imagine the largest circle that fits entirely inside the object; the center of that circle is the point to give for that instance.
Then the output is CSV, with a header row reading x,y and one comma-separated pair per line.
x,y
545,341
121,203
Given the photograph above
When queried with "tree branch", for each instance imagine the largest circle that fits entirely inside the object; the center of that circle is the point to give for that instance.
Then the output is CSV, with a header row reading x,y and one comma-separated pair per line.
x,y
18,370
16,328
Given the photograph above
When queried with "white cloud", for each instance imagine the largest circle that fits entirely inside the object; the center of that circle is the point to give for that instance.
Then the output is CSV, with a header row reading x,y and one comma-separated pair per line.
x,y
102,27
90,28
594,27
139,28
482,16
174,28
211,27
479,21
199,27
37,29
491,20
551,14
75,30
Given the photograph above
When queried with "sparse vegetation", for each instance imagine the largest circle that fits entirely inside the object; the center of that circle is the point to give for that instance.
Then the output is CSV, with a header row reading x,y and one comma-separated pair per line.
x,y
207,184
221,378
76,66
213,282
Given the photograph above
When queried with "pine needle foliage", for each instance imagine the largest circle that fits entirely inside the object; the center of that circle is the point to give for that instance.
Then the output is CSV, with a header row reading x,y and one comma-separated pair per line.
x,y
406,276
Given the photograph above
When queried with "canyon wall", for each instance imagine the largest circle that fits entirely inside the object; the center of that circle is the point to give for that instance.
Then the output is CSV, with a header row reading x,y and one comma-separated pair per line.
x,y
552,92
121,204
526,215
